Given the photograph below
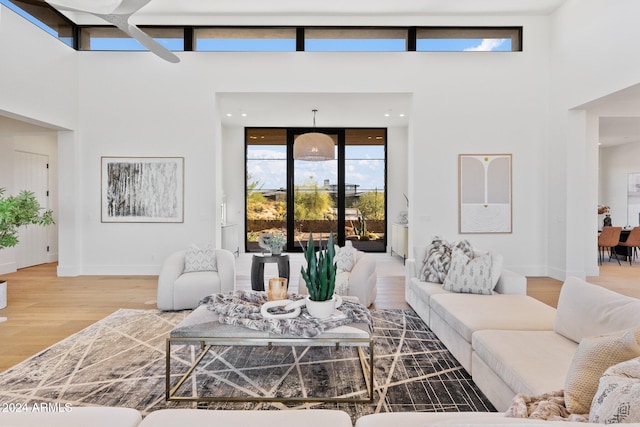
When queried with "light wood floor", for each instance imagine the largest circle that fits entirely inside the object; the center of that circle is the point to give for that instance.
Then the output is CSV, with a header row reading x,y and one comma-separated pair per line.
x,y
44,309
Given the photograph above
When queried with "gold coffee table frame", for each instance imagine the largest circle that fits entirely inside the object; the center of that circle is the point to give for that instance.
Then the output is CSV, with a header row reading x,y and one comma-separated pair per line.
x,y
207,342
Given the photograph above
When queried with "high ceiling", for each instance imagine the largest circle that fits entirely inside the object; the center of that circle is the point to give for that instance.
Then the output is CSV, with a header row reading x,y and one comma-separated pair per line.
x,y
337,109
211,12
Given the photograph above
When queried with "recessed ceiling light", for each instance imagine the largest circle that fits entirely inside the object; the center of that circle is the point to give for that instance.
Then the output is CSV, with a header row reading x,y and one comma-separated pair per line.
x,y
387,114
401,114
229,114
244,114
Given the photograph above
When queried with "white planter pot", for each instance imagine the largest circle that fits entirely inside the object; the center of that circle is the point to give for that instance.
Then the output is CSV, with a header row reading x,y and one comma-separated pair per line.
x,y
3,294
323,309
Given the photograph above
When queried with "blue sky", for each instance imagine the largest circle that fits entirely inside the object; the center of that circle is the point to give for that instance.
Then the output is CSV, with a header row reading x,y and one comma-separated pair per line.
x,y
364,166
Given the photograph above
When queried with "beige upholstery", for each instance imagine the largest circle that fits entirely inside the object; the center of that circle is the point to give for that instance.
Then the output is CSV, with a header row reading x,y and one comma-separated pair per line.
x,y
72,416
362,280
180,291
242,418
534,362
459,419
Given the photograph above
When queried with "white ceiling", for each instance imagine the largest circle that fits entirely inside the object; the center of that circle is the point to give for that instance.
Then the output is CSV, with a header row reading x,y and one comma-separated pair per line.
x,y
334,109
619,130
208,12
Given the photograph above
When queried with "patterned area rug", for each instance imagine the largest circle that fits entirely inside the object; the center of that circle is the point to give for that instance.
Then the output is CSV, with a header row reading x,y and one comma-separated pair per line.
x,y
120,361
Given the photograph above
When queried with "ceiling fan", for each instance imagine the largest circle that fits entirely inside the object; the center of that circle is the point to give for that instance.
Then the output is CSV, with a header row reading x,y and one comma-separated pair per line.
x,y
118,14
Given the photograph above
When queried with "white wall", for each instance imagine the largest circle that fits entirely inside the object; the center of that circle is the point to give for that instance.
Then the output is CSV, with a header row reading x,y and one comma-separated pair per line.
x,y
37,74
37,83
590,41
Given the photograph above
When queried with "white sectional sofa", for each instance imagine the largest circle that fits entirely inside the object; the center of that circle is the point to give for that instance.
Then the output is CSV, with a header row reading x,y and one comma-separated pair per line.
x,y
454,317
507,362
511,343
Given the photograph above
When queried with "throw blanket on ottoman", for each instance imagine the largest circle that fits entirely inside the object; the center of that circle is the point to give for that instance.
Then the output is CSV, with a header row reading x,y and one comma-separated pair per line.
x,y
242,308
548,406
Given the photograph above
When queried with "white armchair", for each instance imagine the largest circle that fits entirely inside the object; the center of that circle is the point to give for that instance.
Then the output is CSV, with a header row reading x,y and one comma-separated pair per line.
x,y
361,280
178,290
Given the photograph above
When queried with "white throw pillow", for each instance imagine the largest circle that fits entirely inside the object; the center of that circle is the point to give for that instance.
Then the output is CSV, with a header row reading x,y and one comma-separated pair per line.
x,y
342,283
618,397
197,259
469,275
345,257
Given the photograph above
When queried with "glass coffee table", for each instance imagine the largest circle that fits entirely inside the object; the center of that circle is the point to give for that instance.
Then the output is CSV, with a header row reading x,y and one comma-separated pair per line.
x,y
202,329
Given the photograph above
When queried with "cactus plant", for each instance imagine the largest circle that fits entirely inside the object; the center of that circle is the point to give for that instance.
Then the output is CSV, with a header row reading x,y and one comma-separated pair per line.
x,y
320,274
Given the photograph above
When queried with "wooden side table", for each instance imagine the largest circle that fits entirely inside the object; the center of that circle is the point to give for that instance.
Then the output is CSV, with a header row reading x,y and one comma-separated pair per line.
x,y
257,269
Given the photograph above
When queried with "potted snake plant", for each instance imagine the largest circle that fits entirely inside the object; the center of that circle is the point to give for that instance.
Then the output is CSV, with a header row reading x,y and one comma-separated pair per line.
x,y
16,211
320,279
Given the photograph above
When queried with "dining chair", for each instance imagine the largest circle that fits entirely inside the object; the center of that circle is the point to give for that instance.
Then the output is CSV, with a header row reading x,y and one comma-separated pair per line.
x,y
609,239
632,243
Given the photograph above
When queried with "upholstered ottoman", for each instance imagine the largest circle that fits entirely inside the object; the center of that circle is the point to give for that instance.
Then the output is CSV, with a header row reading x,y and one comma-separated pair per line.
x,y
455,317
71,417
229,418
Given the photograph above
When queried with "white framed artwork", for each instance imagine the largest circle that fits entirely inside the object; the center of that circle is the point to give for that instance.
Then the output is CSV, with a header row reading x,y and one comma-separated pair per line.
x,y
142,189
484,193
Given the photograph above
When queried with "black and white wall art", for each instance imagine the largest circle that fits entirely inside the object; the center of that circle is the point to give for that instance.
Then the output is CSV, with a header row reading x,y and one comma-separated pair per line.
x,y
142,189
484,193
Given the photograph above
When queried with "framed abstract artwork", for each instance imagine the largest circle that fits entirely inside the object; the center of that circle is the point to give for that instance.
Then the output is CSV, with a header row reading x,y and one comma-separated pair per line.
x,y
142,189
484,193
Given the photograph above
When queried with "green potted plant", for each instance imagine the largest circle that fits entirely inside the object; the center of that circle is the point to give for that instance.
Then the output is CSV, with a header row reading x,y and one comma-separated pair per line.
x,y
320,279
16,211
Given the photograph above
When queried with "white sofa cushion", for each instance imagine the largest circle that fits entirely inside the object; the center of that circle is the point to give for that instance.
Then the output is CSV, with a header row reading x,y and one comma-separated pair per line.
x,y
467,313
241,418
529,362
466,419
95,416
596,312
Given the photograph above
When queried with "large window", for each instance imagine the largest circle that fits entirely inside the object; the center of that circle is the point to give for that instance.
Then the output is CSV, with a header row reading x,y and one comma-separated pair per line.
x,y
345,196
272,39
110,38
468,39
245,39
355,40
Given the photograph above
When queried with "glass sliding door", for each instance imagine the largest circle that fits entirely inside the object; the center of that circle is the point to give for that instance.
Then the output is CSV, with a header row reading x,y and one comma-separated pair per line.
x,y
345,196
365,191
315,198
266,184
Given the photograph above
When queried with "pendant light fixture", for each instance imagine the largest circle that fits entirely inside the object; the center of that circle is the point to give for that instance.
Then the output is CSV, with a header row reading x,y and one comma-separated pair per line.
x,y
314,146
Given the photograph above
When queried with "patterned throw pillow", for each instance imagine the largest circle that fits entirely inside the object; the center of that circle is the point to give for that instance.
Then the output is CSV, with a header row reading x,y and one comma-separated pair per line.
x,y
342,283
345,257
197,259
618,396
469,275
592,358
438,257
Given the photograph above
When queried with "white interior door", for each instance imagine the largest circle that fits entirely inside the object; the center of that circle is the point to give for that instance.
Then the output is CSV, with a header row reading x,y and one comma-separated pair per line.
x,y
32,174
